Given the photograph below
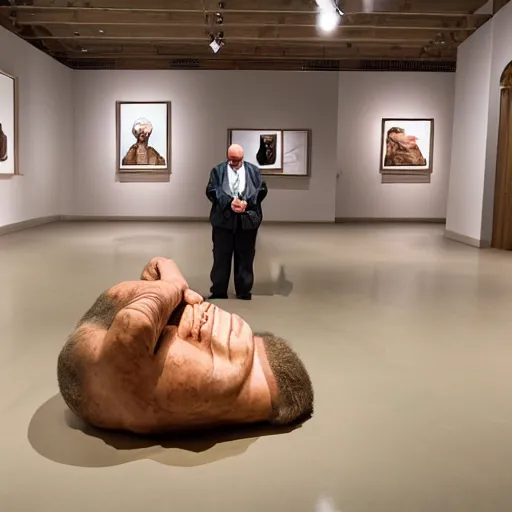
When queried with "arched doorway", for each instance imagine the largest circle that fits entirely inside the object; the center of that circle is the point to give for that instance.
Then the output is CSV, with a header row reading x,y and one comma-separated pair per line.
x,y
502,220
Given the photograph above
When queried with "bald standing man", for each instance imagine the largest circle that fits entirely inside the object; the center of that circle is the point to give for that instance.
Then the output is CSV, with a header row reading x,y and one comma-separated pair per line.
x,y
236,191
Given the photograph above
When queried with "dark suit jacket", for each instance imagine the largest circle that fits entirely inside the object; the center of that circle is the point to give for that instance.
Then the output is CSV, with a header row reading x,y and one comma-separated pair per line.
x,y
219,193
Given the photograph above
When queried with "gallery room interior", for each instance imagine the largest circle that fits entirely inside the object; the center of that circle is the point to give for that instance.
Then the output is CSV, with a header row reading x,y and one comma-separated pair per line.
x,y
383,132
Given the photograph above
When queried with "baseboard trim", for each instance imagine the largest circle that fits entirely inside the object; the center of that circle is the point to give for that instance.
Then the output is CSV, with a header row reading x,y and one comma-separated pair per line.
x,y
132,218
19,226
467,240
382,220
27,224
129,218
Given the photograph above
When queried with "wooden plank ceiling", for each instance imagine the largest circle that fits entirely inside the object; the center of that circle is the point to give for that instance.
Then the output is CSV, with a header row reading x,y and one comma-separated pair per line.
x,y
257,34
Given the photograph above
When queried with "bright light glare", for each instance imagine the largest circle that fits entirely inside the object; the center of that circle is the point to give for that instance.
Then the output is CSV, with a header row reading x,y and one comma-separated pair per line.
x,y
325,4
328,20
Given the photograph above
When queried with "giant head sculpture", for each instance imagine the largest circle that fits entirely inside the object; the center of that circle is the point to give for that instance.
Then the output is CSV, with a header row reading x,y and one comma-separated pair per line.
x,y
151,356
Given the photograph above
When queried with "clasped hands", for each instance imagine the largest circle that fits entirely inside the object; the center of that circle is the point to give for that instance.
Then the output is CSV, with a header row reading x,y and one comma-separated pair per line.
x,y
238,206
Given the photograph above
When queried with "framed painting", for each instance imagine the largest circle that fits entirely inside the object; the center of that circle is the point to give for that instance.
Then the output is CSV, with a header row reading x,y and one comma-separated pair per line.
x,y
143,136
276,152
407,146
8,124
261,147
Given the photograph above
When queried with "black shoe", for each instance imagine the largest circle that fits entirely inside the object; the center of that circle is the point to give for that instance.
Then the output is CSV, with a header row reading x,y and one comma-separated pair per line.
x,y
245,296
214,296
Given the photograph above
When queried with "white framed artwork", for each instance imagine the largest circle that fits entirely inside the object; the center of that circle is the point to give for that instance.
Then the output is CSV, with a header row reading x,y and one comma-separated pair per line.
x,y
8,125
407,145
143,136
275,152
263,148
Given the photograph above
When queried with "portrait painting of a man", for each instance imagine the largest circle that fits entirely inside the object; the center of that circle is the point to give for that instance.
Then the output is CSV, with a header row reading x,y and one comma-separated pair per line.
x,y
407,144
141,153
143,131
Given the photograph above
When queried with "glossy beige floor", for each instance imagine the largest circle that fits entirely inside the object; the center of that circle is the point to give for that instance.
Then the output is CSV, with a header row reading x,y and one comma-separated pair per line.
x,y
407,336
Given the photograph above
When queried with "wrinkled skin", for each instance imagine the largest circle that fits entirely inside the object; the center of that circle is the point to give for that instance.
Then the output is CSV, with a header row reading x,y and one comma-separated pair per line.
x,y
171,361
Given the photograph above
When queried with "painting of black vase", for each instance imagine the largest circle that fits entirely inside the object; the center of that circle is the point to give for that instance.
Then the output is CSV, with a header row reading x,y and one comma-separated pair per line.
x,y
267,152
283,152
263,148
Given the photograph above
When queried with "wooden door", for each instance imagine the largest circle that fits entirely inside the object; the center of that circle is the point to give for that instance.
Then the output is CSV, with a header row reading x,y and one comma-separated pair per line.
x,y
502,222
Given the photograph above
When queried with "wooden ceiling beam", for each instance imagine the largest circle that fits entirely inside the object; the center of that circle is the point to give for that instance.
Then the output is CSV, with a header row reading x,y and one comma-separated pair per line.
x,y
151,40
238,34
262,52
373,20
418,6
415,6
422,64
375,54
175,5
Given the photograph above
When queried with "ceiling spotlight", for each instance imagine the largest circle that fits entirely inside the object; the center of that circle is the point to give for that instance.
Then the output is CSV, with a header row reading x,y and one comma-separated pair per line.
x,y
328,20
215,46
329,14
217,42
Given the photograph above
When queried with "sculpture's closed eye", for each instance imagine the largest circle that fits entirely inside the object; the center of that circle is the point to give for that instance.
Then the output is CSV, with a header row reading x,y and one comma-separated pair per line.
x,y
176,315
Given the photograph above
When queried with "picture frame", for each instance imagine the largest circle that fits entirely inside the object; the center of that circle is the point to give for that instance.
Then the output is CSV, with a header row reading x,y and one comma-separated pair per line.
x,y
143,137
9,153
407,150
263,148
291,156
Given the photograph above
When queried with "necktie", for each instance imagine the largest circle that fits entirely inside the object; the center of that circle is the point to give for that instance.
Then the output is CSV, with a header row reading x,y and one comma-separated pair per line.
x,y
236,184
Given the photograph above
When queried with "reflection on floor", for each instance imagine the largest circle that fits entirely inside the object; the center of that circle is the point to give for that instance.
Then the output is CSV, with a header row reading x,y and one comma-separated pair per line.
x,y
407,337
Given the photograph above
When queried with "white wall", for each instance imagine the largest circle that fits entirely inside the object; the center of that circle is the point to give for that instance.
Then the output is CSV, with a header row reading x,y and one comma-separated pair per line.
x,y
465,197
365,98
501,56
45,133
67,139
204,105
481,61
